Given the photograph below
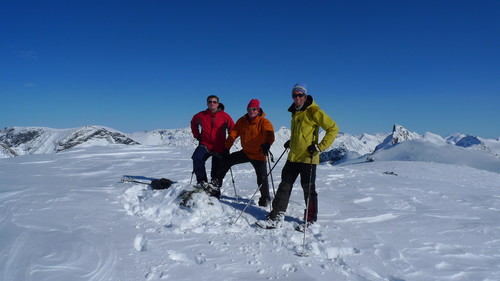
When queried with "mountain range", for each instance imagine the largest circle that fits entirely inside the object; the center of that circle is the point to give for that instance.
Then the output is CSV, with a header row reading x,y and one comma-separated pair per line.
x,y
18,141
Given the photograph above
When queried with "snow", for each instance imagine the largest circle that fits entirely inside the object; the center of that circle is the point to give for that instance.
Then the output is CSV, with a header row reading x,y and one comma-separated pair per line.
x,y
67,216
421,150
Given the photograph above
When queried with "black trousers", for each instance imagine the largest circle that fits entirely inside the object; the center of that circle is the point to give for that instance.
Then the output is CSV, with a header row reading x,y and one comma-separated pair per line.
x,y
200,156
289,174
240,157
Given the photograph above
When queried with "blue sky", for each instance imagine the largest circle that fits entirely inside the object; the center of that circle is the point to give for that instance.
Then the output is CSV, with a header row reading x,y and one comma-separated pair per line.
x,y
431,66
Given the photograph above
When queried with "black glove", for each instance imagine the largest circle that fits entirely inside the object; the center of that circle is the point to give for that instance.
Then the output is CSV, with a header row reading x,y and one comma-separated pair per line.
x,y
265,148
198,137
313,148
286,145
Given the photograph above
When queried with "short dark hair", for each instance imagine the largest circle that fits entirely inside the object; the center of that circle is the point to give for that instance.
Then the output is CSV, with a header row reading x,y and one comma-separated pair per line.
x,y
212,97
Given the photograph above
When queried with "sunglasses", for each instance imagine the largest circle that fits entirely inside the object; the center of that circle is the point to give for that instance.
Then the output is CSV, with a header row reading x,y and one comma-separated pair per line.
x,y
298,95
253,108
212,101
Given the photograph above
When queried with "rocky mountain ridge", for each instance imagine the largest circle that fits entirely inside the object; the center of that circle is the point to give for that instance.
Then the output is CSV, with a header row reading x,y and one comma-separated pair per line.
x,y
16,141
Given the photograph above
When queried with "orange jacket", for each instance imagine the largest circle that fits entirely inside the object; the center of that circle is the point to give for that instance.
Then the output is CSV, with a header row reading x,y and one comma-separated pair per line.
x,y
252,134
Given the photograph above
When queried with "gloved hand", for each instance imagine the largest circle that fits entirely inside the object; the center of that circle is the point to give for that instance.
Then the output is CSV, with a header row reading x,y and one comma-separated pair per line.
x,y
265,148
198,137
286,145
313,148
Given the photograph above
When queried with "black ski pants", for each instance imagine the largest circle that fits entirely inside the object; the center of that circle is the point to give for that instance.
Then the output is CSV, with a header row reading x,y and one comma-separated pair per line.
x,y
240,157
200,156
289,174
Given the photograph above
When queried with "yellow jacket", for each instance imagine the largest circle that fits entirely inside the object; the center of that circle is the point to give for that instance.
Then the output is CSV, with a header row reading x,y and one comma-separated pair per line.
x,y
305,131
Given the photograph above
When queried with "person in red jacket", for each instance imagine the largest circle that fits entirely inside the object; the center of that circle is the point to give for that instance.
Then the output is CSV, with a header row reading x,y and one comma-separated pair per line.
x,y
209,127
257,135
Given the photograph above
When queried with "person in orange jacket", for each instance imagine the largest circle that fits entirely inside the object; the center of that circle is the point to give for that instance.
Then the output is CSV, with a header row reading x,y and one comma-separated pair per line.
x,y
257,135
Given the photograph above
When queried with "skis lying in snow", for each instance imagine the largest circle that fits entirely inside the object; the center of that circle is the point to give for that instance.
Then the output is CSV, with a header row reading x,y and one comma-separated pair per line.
x,y
137,179
162,183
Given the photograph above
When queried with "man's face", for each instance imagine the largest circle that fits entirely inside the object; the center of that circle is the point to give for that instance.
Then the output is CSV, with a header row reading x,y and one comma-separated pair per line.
x,y
299,98
212,104
253,112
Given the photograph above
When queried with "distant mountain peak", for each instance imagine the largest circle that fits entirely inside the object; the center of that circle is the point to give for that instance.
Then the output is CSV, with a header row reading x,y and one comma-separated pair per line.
x,y
469,141
399,134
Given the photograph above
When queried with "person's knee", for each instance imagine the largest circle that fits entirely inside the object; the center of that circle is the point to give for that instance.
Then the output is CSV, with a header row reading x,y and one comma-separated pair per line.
x,y
198,157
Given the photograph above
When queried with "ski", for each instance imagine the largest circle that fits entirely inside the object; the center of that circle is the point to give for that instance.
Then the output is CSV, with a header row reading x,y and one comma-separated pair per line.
x,y
137,179
155,183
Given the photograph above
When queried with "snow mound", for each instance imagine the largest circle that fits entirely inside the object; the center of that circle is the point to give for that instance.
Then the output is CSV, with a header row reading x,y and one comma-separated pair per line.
x,y
209,216
164,207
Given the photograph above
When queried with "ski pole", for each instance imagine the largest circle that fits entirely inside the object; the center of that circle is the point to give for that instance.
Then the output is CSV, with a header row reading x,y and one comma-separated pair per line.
x,y
259,187
192,173
307,205
272,181
234,185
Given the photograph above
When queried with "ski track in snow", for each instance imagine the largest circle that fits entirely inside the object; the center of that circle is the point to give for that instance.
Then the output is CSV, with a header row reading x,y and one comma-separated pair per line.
x,y
430,222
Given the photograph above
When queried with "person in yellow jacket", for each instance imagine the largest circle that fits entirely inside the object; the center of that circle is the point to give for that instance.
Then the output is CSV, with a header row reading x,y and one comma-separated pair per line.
x,y
257,135
304,144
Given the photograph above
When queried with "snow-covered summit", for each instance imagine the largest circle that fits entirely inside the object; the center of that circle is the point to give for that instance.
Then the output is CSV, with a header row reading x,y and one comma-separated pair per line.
x,y
469,141
172,137
399,134
434,139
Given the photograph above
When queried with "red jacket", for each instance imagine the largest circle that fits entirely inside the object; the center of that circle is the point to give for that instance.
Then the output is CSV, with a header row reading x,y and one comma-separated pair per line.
x,y
213,129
